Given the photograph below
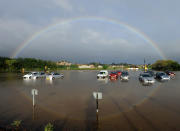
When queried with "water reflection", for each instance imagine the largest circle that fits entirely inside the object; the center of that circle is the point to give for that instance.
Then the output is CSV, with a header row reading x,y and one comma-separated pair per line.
x,y
33,114
50,81
146,83
97,121
162,81
31,82
27,81
105,80
122,80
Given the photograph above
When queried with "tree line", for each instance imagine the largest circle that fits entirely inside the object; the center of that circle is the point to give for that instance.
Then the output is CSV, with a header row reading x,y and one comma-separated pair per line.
x,y
29,64
163,65
9,64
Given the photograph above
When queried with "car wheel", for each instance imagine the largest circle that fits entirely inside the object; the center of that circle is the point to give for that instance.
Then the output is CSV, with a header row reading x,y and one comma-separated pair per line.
x,y
30,77
53,78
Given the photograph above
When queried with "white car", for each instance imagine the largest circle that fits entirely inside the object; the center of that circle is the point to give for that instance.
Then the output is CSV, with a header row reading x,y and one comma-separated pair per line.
x,y
102,74
53,76
30,75
124,76
39,75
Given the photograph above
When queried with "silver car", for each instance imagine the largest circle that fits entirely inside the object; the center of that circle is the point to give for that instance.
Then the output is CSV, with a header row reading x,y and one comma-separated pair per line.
x,y
39,75
162,76
53,76
146,78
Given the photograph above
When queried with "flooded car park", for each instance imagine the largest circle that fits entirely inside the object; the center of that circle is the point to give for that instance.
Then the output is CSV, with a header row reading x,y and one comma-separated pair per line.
x,y
68,103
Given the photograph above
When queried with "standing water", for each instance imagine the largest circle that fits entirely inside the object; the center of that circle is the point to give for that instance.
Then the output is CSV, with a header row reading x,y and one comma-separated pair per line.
x,y
68,103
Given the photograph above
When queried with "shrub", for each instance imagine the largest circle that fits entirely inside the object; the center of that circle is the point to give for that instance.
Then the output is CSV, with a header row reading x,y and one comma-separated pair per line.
x,y
48,127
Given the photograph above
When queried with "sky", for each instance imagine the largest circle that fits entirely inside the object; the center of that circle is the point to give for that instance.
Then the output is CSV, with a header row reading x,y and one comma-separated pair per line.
x,y
84,31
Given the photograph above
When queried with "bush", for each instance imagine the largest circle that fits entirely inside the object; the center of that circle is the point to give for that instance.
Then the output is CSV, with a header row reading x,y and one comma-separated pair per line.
x,y
166,65
105,66
48,127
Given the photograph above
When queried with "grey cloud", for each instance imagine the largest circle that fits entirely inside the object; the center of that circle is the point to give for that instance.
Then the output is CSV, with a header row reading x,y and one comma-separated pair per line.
x,y
87,44
12,33
65,4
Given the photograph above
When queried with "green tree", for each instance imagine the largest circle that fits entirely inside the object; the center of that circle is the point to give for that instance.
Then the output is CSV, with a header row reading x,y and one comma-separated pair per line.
x,y
166,65
73,66
105,66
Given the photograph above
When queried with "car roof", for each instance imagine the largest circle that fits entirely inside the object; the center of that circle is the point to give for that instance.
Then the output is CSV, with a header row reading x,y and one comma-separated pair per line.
x,y
103,70
124,71
145,74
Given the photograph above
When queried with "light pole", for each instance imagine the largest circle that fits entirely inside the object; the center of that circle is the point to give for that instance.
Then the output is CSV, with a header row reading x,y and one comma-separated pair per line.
x,y
144,65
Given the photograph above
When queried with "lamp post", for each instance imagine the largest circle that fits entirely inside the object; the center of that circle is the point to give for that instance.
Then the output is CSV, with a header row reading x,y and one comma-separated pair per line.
x,y
144,65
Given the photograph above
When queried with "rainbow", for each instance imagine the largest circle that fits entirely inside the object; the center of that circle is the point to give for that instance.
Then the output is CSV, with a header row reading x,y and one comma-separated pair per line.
x,y
36,35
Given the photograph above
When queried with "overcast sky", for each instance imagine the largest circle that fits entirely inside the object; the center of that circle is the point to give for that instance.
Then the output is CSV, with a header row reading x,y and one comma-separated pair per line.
x,y
91,40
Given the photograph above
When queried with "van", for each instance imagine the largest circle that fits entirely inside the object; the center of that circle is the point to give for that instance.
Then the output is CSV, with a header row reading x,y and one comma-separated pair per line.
x,y
102,74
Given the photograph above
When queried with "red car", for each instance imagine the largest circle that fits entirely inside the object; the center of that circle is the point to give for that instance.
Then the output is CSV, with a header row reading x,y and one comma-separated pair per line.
x,y
113,75
119,73
171,74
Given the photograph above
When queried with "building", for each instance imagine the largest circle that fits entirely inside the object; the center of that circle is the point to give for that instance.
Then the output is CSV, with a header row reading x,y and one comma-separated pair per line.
x,y
133,68
86,66
100,66
64,63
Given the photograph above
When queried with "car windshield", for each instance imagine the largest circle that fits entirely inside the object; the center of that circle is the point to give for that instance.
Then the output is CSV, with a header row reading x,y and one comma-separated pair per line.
x,y
150,72
113,72
29,73
101,72
146,75
56,73
162,74
124,73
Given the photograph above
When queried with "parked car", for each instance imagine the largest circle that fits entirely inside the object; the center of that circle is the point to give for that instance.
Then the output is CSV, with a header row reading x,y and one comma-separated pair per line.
x,y
30,75
170,73
113,75
119,73
53,76
124,75
146,78
102,74
39,75
162,76
150,72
